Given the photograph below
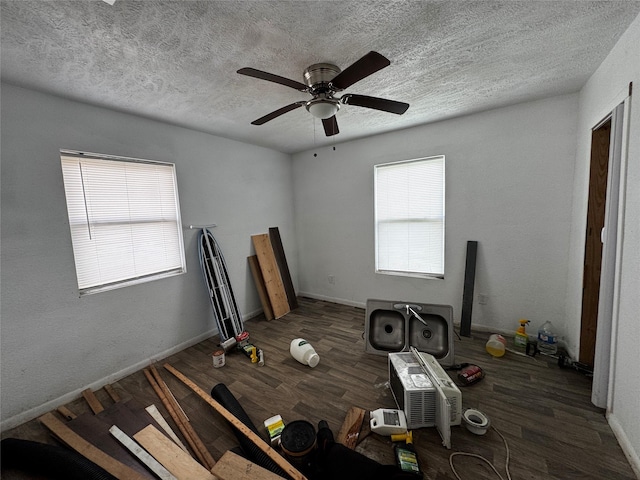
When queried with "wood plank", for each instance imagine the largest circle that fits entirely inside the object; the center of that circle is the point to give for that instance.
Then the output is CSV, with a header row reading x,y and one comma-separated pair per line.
x,y
234,467
262,291
84,448
281,260
258,441
350,430
170,455
201,451
469,282
94,428
157,416
141,454
112,393
271,275
66,413
175,413
92,400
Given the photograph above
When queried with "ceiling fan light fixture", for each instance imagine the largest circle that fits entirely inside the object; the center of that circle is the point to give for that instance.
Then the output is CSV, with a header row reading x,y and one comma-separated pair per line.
x,y
322,109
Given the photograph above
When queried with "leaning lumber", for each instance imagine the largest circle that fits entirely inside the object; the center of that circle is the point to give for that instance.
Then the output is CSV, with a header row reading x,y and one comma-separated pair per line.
x,y
230,417
254,265
84,448
271,275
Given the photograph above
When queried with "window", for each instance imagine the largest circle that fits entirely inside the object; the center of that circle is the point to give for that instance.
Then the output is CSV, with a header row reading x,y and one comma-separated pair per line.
x,y
124,218
409,217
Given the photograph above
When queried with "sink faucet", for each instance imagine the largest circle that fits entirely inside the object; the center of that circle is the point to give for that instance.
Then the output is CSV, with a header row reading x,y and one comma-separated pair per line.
x,y
411,311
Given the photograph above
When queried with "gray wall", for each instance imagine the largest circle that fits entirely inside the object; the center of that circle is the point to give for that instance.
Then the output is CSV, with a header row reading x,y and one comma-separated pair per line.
x,y
509,174
53,343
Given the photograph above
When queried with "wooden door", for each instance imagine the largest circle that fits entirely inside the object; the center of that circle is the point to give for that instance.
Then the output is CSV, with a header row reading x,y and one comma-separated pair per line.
x,y
600,140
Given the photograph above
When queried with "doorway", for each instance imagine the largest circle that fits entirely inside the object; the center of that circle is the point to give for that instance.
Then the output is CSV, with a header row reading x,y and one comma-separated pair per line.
x,y
598,176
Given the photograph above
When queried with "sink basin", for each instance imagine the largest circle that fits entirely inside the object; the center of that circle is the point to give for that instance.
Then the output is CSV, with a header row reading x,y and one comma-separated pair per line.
x,y
432,338
390,328
387,330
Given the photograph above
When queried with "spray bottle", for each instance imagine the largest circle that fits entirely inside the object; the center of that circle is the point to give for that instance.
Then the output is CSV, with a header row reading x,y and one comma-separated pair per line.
x,y
406,456
521,338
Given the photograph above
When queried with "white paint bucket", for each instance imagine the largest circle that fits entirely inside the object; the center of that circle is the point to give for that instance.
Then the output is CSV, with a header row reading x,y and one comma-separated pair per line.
x,y
218,358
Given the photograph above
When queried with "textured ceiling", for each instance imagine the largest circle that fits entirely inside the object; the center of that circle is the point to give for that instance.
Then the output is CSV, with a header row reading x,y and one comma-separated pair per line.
x,y
176,61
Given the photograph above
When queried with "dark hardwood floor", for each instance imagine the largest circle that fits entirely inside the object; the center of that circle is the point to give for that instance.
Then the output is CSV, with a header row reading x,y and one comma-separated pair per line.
x,y
545,414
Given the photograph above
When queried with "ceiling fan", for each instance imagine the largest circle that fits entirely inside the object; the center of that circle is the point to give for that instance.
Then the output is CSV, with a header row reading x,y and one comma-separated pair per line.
x,y
323,81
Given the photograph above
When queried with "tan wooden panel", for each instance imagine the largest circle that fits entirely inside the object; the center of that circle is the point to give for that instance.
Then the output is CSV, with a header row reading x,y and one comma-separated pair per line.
x,y
254,265
84,448
170,455
350,430
234,467
271,275
92,400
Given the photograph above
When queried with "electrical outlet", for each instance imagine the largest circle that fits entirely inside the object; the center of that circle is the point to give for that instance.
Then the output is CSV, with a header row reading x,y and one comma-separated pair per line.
x,y
482,299
332,279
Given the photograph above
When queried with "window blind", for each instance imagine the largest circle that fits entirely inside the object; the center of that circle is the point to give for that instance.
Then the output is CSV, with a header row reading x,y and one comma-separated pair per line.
x,y
410,217
124,218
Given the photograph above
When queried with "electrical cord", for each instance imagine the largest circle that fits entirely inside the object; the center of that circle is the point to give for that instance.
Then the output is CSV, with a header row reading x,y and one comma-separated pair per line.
x,y
480,457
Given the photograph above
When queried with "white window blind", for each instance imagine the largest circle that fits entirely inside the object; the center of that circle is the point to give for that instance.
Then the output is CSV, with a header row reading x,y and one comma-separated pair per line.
x,y
124,218
409,217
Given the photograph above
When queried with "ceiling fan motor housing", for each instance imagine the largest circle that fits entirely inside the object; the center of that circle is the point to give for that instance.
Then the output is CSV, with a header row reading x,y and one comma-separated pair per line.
x,y
319,75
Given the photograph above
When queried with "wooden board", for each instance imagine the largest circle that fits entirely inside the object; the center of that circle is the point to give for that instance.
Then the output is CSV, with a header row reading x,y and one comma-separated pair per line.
x,y
469,282
84,448
271,274
350,430
142,455
234,467
170,455
281,260
262,291
128,416
92,400
157,416
246,431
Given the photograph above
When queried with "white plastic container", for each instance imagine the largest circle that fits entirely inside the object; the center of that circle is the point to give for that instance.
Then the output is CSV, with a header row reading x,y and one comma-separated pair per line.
x,y
303,352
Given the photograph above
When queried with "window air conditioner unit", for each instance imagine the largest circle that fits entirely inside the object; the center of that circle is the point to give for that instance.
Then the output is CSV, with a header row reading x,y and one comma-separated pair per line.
x,y
424,391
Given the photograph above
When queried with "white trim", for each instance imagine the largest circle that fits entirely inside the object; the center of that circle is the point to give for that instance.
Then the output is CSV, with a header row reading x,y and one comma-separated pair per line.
x,y
625,444
340,301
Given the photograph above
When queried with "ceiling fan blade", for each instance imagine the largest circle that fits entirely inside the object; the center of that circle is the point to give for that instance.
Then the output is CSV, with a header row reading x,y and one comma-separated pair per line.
x,y
376,103
277,113
330,126
370,63
270,77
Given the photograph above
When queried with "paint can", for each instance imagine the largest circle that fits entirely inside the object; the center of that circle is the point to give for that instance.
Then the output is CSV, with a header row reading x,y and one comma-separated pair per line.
x,y
298,443
218,358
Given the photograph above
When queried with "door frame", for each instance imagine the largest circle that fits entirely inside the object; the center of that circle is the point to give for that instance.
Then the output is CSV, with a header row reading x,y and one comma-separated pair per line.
x,y
611,237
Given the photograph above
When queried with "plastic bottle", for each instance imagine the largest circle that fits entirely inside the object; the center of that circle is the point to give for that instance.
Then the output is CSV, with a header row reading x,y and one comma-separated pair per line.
x,y
496,345
303,352
521,338
547,339
406,457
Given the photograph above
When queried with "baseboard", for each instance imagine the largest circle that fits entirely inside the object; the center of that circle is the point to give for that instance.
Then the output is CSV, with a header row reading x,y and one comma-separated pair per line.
x,y
625,444
341,301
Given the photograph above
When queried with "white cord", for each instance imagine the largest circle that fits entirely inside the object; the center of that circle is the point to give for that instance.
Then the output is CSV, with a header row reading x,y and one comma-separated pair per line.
x,y
480,457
